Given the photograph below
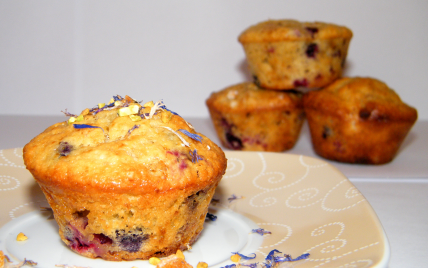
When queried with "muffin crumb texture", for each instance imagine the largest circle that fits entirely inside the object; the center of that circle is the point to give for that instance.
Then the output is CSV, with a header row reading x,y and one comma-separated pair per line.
x,y
126,180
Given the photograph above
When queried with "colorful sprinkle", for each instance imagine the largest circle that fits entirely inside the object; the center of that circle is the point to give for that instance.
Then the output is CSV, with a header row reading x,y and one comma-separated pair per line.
x,y
154,260
75,119
191,135
288,258
195,156
81,126
68,114
234,197
133,128
245,257
251,265
211,217
21,237
202,265
135,118
130,110
260,231
185,143
22,263
230,266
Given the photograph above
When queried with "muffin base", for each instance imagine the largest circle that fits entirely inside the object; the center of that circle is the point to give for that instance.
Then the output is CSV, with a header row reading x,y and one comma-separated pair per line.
x,y
118,227
359,142
259,130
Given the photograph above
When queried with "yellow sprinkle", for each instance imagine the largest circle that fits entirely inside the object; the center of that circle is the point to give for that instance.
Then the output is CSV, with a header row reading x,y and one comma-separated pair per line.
x,y
80,118
149,104
71,119
180,254
132,109
202,265
235,258
117,103
101,105
21,237
154,260
135,117
124,111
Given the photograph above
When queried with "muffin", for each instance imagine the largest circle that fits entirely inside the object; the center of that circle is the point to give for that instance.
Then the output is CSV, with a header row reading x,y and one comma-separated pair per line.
x,y
126,181
249,118
357,120
287,54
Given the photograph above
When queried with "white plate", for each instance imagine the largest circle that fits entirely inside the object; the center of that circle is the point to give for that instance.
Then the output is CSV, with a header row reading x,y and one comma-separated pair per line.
x,y
307,205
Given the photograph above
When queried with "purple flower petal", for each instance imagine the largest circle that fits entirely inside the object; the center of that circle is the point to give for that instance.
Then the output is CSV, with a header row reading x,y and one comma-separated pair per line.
x,y
191,135
80,126
245,257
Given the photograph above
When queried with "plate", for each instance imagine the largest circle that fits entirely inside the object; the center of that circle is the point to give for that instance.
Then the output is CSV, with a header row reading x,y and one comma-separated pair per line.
x,y
305,204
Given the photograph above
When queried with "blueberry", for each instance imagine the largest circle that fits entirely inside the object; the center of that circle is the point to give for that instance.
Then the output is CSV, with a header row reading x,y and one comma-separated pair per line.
x,y
233,141
364,114
77,245
301,83
64,148
312,30
311,50
131,242
256,80
326,132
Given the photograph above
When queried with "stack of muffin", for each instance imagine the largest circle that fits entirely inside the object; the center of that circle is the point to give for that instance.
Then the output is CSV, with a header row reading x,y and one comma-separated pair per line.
x,y
297,73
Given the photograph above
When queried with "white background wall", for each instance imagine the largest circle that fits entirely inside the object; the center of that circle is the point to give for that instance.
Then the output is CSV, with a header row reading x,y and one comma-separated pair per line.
x,y
74,54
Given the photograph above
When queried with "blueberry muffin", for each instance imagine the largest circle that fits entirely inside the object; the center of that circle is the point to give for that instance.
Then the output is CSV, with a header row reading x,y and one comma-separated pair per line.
x,y
126,180
357,120
249,118
288,54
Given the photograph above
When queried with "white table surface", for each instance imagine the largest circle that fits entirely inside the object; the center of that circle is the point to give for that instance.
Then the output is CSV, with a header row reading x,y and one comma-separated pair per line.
x,y
397,191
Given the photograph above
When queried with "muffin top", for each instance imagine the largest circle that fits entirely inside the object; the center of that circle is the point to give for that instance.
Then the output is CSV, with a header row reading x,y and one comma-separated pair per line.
x,y
363,98
249,97
124,147
292,30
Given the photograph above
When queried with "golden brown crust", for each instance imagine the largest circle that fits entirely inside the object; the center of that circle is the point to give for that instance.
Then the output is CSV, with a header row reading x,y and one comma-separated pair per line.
x,y
126,186
248,97
112,160
249,118
292,30
358,120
